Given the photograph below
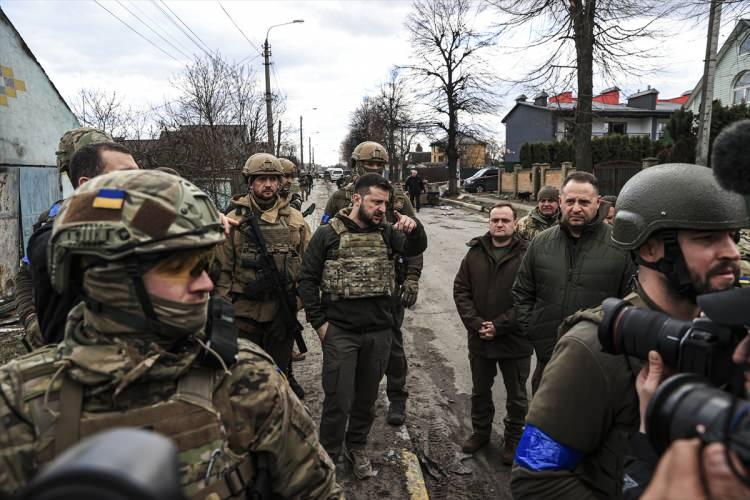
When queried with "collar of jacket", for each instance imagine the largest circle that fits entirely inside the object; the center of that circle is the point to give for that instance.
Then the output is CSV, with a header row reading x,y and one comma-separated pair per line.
x,y
588,229
539,216
271,216
485,243
352,226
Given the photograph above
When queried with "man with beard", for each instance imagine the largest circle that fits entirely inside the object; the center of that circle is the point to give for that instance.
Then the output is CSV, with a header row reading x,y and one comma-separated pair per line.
x,y
346,284
243,280
570,267
482,295
680,227
136,245
289,189
543,216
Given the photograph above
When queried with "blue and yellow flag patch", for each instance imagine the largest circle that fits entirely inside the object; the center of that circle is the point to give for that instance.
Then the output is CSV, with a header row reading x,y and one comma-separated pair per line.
x,y
109,198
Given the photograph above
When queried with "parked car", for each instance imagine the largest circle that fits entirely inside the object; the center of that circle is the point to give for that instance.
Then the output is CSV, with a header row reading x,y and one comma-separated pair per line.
x,y
335,173
484,180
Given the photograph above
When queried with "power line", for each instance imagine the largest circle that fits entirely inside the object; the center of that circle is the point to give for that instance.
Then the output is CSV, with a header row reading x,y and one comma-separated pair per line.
x,y
239,29
208,49
136,31
134,4
180,28
152,29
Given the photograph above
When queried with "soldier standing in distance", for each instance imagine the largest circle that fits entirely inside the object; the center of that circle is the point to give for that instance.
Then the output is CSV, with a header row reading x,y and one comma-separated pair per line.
x,y
243,280
544,215
70,142
137,244
289,189
346,283
371,157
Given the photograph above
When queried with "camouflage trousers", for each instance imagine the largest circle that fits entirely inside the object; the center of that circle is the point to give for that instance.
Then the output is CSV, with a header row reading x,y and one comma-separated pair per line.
x,y
353,366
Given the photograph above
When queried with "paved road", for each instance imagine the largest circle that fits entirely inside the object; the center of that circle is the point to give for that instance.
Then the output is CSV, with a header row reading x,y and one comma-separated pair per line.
x,y
439,378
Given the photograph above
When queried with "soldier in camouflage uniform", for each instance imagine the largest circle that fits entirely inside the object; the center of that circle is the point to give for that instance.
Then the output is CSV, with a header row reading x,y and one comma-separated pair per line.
x,y
371,157
70,142
290,188
347,283
241,280
543,216
136,244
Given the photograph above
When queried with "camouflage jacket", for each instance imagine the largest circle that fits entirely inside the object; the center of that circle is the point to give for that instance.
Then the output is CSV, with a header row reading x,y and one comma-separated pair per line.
x,y
533,224
342,199
244,412
286,234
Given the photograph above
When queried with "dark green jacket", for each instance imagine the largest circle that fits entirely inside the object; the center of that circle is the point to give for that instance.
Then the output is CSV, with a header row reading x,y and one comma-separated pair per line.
x,y
586,401
560,275
481,292
371,313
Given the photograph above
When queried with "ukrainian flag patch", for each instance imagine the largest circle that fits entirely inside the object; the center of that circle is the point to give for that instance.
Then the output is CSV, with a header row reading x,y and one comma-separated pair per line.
x,y
109,198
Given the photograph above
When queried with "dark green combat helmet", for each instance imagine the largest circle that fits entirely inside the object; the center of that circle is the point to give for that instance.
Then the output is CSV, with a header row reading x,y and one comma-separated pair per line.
x,y
659,201
75,139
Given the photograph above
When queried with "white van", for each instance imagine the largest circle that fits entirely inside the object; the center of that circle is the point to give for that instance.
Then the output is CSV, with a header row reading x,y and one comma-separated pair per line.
x,y
335,173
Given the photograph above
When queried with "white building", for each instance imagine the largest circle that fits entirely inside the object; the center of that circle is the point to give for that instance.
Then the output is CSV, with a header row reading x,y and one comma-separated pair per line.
x,y
33,116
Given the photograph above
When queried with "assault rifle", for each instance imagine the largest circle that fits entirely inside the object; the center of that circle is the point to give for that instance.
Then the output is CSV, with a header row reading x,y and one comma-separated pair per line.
x,y
278,282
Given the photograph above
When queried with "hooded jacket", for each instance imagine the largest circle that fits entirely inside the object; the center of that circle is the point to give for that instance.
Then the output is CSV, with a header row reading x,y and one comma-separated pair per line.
x,y
482,292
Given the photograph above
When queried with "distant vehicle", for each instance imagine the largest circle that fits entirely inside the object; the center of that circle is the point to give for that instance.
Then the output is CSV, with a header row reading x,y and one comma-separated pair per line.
x,y
335,174
484,180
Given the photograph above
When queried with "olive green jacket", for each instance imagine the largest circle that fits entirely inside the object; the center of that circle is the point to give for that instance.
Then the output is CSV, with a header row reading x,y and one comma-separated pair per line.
x,y
587,402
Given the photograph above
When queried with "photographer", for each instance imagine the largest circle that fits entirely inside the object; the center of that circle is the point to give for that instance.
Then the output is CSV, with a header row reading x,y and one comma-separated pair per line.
x,y
680,226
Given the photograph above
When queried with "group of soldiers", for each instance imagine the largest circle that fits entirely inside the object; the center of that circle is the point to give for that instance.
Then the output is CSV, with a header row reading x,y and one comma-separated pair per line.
x,y
144,306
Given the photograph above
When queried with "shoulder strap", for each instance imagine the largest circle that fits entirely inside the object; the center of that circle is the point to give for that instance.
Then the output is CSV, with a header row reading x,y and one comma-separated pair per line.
x,y
338,226
67,428
197,388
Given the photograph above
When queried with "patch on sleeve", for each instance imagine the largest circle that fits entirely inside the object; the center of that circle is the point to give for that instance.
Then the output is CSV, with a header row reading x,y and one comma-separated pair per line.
x,y
109,198
537,451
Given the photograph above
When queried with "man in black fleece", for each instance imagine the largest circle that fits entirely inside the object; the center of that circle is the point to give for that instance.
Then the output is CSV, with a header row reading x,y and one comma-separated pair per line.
x,y
346,282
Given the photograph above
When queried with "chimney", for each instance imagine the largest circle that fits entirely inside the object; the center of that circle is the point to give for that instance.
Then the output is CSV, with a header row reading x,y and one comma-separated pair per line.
x,y
541,99
644,100
521,98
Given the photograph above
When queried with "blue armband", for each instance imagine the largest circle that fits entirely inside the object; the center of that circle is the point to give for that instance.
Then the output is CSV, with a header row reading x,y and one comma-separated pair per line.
x,y
537,451
54,209
26,260
325,219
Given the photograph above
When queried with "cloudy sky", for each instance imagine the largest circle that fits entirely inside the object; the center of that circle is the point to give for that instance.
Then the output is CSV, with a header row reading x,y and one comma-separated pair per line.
x,y
341,53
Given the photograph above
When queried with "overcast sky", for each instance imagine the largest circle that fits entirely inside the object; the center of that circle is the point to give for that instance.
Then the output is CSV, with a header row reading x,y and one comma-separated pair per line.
x,y
341,53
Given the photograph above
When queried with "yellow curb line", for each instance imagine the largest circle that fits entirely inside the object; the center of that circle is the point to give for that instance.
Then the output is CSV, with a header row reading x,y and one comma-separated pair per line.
x,y
414,479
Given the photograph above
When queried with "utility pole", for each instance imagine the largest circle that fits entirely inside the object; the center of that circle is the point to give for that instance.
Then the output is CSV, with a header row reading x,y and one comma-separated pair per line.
x,y
301,146
269,99
707,89
278,143
309,148
313,155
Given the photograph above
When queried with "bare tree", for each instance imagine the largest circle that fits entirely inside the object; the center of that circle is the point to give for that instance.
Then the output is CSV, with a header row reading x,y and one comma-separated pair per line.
x,y
103,110
395,110
581,38
450,75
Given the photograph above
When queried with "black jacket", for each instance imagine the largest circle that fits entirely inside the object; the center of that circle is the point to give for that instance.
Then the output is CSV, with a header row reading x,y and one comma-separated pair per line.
x,y
482,292
364,314
414,185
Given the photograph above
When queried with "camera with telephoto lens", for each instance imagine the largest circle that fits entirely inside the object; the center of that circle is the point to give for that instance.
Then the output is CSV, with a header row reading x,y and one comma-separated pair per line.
x,y
687,406
702,346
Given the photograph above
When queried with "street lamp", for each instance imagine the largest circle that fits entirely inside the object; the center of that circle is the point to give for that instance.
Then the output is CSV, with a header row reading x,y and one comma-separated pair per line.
x,y
269,99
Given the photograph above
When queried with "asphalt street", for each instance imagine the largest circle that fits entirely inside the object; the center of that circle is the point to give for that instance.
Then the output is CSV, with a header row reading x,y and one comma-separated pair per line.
x,y
439,382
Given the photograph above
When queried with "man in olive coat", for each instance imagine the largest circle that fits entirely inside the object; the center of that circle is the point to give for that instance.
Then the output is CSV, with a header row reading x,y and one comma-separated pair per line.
x,y
482,292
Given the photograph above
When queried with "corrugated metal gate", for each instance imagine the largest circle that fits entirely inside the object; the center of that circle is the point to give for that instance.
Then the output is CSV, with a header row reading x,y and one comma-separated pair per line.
x,y
613,175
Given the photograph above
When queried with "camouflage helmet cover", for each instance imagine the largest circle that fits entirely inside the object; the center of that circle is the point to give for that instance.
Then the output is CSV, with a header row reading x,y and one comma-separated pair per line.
x,y
674,196
288,167
371,152
130,213
262,164
75,139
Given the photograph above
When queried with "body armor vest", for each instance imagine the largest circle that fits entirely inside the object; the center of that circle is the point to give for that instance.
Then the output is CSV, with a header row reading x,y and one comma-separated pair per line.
x,y
191,417
363,266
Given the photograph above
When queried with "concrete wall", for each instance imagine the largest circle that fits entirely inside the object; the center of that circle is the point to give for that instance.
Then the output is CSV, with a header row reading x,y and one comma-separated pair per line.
x,y
32,120
552,177
524,181
527,124
506,182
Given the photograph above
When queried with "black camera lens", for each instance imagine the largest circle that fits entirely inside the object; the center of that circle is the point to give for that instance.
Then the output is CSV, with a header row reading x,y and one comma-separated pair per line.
x,y
684,402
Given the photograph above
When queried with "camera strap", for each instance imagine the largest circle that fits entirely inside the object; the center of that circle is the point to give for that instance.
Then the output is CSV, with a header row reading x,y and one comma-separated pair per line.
x,y
672,265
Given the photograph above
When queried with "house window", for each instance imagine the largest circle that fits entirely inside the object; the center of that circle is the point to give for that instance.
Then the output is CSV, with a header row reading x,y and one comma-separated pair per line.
x,y
745,45
617,128
741,86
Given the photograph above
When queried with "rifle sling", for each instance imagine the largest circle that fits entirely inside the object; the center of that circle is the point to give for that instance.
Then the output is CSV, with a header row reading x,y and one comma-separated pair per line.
x,y
67,428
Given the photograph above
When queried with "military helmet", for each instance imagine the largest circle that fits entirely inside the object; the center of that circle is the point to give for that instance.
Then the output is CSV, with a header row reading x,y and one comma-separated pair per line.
x,y
131,213
75,139
674,196
371,152
288,167
262,164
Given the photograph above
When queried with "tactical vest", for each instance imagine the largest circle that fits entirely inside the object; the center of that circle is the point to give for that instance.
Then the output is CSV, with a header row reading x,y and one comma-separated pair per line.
x,y
282,242
192,418
362,267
